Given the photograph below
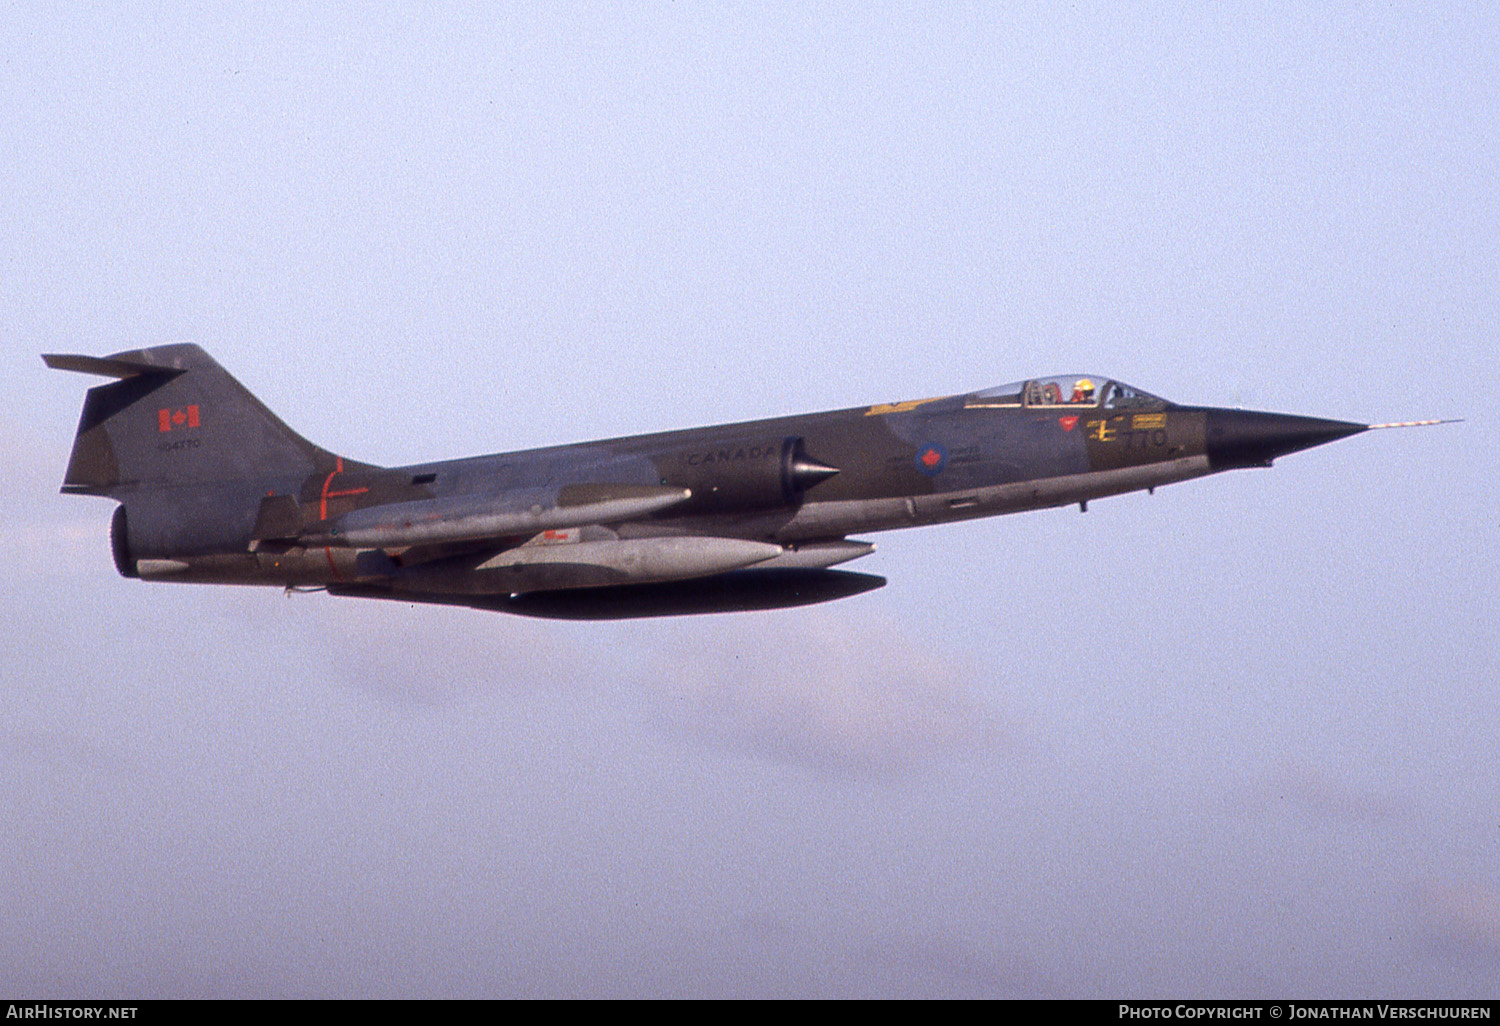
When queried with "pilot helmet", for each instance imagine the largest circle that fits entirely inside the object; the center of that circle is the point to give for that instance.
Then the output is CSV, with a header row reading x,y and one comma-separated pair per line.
x,y
1085,386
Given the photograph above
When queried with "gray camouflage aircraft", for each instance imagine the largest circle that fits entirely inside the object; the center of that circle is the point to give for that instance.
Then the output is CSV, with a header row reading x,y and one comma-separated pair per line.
x,y
213,488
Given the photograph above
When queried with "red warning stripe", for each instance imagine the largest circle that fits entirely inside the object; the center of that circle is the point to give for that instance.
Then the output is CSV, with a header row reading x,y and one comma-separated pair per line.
x,y
338,468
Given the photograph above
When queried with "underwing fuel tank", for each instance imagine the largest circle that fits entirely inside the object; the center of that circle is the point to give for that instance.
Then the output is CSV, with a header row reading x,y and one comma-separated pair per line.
x,y
466,518
590,564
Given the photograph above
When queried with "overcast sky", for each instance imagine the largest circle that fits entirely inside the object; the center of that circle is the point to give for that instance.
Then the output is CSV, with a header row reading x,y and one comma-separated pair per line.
x,y
1237,738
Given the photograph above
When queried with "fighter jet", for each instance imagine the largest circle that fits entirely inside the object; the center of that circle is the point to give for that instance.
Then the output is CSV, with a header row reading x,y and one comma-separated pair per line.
x,y
212,487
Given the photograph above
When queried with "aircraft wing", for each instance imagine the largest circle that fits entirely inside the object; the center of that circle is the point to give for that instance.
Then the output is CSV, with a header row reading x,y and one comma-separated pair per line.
x,y
737,591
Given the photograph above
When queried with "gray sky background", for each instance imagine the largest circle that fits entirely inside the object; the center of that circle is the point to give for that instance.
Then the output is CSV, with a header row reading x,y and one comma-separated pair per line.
x,y
1259,761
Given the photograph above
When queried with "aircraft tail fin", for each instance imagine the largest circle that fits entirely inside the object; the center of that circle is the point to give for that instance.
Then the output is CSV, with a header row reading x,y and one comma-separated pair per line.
x,y
175,417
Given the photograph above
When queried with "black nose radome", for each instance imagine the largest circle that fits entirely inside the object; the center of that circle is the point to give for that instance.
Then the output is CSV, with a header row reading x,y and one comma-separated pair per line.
x,y
1246,438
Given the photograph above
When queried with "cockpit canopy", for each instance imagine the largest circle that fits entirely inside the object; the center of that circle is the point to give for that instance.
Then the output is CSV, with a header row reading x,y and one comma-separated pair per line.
x,y
1075,390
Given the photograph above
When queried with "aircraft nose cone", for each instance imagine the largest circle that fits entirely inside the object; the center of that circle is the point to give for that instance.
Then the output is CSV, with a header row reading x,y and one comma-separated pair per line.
x,y
1246,438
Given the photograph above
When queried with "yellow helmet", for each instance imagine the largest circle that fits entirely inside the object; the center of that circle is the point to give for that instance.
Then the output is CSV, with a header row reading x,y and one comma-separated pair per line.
x,y
1083,385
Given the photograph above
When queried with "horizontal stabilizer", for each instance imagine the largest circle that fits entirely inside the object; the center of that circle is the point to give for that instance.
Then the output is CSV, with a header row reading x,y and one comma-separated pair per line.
x,y
104,366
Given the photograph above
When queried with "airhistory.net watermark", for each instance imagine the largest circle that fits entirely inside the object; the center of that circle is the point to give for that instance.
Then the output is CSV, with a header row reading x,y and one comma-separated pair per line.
x,y
40,1010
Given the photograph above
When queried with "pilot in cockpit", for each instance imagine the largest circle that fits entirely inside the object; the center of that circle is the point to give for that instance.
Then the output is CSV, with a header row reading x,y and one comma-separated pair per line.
x,y
1083,391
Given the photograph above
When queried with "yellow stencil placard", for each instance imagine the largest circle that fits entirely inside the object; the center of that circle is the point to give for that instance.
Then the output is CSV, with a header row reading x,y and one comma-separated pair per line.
x,y
902,407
